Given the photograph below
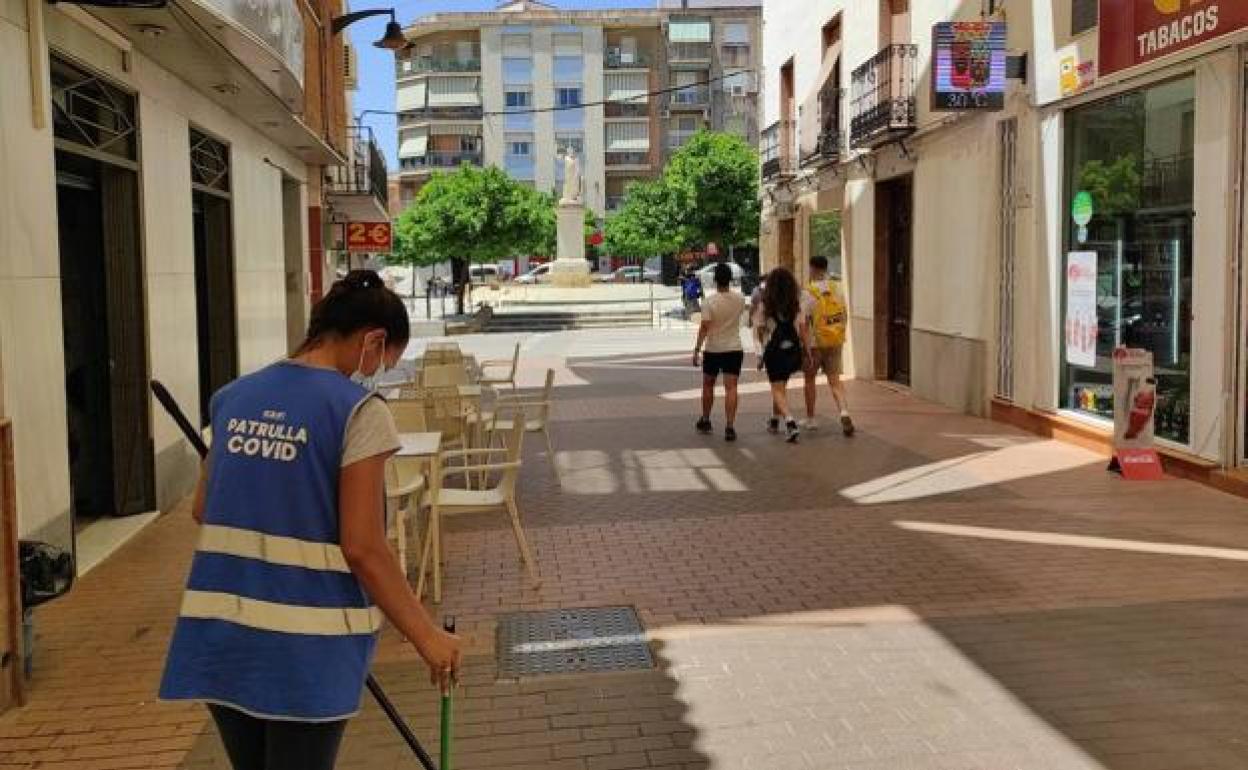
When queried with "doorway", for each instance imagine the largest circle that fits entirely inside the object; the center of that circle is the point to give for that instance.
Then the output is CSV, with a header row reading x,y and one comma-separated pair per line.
x,y
894,286
213,234
102,296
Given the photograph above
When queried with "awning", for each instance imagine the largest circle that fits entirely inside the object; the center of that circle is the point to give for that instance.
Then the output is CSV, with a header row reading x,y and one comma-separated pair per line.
x,y
411,96
458,129
689,31
414,146
454,92
627,86
628,137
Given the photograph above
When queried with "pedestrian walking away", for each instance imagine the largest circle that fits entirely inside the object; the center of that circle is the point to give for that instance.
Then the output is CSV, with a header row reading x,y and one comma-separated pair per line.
x,y
691,293
783,336
825,311
293,573
720,333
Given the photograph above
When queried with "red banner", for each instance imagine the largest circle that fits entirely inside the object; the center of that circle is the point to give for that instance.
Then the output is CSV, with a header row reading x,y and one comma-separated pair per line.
x,y
1133,32
368,236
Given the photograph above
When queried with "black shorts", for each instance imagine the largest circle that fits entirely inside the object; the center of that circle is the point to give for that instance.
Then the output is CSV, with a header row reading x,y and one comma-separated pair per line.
x,y
728,363
782,364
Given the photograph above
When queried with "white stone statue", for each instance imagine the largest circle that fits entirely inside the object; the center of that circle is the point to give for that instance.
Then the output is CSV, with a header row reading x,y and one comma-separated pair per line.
x,y
571,178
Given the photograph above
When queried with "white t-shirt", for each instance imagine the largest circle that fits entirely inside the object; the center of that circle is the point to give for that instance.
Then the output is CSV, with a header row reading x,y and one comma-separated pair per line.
x,y
722,310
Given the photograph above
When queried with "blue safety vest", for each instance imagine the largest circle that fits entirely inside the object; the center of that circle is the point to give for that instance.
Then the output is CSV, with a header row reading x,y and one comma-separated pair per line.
x,y
273,622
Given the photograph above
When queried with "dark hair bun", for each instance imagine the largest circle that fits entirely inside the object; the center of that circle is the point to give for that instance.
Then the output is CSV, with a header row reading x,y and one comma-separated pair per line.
x,y
362,279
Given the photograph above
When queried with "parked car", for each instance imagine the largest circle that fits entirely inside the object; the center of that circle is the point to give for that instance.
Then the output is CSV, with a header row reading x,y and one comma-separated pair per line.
x,y
632,274
484,274
707,275
539,274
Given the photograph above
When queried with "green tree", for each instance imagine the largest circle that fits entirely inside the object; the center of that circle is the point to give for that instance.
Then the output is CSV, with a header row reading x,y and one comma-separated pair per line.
x,y
714,179
825,234
474,215
708,193
648,224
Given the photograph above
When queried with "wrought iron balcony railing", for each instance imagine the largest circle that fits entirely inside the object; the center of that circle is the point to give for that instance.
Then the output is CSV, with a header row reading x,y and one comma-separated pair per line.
x,y
442,159
440,113
693,96
777,150
627,109
619,60
627,158
426,65
825,147
365,171
685,53
884,104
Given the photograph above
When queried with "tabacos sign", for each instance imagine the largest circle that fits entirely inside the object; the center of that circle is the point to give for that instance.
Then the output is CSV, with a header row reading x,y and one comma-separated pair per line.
x,y
1133,32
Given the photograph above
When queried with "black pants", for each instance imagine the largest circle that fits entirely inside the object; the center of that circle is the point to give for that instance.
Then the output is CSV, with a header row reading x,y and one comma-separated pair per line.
x,y
273,744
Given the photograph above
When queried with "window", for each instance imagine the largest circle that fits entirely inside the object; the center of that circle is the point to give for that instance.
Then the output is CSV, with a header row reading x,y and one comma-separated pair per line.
x,y
1131,157
567,97
689,124
517,46
737,33
568,69
519,149
564,142
518,99
1083,15
517,71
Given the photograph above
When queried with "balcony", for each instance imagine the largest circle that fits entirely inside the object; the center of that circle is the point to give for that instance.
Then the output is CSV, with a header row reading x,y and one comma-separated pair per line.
x,y
777,150
358,189
627,110
826,147
884,104
678,139
691,98
685,54
620,60
630,159
426,114
429,66
441,160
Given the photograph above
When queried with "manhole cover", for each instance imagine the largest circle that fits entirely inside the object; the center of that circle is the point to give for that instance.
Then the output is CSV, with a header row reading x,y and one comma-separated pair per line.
x,y
571,642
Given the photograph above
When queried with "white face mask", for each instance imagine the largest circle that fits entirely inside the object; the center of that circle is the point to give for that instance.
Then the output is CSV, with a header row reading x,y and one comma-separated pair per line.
x,y
370,381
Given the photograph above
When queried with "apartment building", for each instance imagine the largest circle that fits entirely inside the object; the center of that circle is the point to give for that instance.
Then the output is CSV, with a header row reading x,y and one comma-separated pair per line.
x,y
1120,141
625,88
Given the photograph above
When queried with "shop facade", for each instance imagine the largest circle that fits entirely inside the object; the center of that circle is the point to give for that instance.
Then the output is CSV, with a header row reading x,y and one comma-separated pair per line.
x,y
154,224
1141,128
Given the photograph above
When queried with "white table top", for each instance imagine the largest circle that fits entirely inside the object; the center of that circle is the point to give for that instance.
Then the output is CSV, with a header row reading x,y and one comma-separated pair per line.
x,y
465,391
419,444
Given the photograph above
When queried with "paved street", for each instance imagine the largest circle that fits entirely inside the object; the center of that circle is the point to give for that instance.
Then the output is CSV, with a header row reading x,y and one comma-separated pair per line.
x,y
938,592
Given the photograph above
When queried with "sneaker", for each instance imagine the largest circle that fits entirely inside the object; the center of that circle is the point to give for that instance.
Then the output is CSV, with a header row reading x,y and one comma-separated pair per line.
x,y
730,433
704,426
773,425
792,432
810,423
847,425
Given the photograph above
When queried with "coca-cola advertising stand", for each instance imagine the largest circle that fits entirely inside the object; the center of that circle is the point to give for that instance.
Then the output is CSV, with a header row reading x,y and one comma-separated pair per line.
x,y
1135,402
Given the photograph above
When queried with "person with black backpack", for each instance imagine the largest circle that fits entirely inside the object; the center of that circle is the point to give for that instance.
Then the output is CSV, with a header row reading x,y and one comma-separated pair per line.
x,y
784,343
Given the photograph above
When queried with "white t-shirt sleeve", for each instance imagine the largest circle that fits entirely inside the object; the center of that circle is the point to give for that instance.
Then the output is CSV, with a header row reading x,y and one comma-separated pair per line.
x,y
370,432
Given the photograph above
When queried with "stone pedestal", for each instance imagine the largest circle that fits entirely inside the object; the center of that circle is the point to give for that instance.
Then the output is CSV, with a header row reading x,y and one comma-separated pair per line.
x,y
570,270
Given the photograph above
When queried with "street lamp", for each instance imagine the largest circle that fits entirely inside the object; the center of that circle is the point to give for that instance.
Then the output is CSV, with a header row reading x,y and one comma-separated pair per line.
x,y
393,40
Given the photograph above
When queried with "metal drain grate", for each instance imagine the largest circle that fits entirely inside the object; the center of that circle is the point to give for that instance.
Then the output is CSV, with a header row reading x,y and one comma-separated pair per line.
x,y
575,641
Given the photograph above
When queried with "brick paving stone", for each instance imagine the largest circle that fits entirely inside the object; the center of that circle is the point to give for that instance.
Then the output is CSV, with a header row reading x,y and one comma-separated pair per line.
x,y
819,606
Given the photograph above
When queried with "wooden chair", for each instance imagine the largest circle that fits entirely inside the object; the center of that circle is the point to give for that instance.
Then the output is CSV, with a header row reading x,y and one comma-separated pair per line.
x,y
507,377
502,468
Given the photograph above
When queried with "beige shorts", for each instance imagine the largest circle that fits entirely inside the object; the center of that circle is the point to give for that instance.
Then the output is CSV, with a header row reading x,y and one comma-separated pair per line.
x,y
826,359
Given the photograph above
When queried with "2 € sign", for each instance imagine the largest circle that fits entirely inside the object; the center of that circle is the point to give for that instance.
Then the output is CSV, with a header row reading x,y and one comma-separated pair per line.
x,y
369,236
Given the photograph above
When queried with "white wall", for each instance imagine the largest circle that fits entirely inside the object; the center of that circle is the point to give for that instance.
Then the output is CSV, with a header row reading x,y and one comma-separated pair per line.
x,y
30,306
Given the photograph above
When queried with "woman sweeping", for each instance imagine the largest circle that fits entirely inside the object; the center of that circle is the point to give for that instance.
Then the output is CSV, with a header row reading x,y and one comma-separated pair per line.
x,y
779,328
293,572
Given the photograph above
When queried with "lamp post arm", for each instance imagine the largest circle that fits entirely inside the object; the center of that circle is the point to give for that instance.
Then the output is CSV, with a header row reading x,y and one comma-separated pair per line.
x,y
339,23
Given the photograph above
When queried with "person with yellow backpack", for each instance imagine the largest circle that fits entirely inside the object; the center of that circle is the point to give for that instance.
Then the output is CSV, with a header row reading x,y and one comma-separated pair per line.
x,y
824,307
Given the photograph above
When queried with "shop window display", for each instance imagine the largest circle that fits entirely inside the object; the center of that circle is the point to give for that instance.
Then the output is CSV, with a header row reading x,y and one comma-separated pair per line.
x,y
1131,156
